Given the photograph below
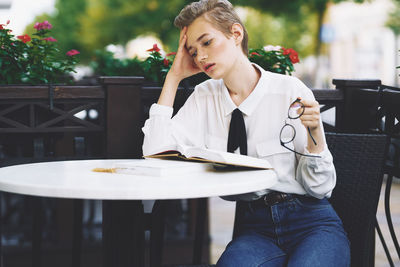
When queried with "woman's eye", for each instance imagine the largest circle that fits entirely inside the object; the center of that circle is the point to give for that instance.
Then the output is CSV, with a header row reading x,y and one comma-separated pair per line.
x,y
194,54
207,43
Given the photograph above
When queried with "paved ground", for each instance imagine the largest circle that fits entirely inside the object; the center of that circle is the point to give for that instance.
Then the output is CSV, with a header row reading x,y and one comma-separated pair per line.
x,y
222,214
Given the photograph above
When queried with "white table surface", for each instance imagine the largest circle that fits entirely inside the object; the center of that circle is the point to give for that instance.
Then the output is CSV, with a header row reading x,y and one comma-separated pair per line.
x,y
75,179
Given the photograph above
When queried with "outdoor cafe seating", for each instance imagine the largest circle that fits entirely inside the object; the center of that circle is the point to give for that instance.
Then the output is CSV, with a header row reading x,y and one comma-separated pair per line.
x,y
364,142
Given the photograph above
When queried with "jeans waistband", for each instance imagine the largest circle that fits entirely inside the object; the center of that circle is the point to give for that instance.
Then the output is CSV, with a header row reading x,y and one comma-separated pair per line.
x,y
275,197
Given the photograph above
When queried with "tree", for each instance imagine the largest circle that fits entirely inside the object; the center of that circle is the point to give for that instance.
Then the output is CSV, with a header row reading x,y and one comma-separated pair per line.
x,y
118,21
87,25
281,30
393,23
294,8
66,24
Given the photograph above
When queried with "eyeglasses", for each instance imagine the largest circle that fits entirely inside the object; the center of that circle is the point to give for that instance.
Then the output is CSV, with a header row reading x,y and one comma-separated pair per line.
x,y
288,132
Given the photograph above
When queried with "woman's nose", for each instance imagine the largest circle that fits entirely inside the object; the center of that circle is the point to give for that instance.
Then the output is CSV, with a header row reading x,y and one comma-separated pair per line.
x,y
202,56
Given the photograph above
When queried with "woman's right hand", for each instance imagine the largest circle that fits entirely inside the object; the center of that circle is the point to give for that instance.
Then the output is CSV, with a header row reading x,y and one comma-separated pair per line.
x,y
183,65
182,68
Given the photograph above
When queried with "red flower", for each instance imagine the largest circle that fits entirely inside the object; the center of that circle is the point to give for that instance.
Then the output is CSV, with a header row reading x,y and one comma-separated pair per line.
x,y
170,54
1,25
24,38
255,54
72,52
154,49
43,25
166,62
50,39
293,55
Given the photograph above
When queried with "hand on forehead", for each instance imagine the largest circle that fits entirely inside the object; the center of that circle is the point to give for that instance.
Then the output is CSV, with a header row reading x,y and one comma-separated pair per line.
x,y
199,28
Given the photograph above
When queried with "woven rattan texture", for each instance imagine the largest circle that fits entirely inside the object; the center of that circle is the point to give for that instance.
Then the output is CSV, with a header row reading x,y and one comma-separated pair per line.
x,y
358,160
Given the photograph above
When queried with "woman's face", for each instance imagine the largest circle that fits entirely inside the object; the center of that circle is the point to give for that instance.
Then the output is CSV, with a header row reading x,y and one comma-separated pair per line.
x,y
212,51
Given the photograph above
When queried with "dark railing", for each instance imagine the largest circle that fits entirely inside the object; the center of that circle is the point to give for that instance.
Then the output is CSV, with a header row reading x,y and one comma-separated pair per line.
x,y
47,123
40,123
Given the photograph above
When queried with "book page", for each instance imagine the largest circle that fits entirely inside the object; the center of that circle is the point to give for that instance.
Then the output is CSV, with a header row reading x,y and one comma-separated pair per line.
x,y
159,167
212,156
165,154
226,158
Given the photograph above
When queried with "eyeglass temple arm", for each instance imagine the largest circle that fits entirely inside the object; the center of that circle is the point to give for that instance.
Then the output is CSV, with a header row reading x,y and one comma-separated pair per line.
x,y
312,138
294,151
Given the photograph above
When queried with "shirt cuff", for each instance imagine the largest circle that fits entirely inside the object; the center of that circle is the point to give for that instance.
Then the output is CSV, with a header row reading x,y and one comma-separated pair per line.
x,y
161,110
320,163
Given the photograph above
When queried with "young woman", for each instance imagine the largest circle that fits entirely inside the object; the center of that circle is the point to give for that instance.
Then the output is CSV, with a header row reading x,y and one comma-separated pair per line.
x,y
244,109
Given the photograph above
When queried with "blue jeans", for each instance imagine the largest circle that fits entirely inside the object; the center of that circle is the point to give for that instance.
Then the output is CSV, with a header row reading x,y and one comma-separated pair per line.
x,y
298,232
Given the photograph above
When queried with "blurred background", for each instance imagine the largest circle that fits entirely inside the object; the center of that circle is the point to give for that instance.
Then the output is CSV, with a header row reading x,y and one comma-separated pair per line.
x,y
334,38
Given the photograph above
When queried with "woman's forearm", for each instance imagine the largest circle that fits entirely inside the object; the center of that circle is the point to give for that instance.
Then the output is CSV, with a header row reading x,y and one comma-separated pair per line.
x,y
319,139
168,91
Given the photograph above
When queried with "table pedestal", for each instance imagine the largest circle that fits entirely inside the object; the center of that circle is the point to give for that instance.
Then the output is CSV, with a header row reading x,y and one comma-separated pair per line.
x,y
123,233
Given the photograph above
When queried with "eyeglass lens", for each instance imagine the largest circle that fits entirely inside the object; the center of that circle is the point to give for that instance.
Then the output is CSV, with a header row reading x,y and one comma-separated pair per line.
x,y
296,109
287,133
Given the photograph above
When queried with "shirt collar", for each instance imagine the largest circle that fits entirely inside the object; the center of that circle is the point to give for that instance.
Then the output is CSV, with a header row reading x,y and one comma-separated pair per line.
x,y
251,102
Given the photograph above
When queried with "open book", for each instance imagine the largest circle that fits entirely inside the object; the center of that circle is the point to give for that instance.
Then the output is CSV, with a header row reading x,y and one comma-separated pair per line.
x,y
212,156
158,167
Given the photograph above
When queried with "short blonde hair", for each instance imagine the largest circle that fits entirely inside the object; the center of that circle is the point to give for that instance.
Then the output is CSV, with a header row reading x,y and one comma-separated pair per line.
x,y
219,13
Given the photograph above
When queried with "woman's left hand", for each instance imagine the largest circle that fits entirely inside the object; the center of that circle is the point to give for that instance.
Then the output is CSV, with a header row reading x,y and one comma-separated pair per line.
x,y
311,116
311,120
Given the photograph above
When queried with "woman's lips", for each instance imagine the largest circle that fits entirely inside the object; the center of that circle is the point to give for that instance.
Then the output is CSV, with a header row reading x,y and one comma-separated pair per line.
x,y
209,67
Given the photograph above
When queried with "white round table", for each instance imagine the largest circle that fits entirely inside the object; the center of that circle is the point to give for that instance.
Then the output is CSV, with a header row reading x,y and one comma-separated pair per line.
x,y
75,179
123,215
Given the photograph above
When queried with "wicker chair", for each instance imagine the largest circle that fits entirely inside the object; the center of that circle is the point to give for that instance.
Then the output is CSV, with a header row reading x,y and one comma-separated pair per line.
x,y
390,110
359,161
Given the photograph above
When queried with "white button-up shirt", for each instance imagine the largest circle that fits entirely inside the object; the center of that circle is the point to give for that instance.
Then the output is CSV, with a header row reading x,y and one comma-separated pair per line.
x,y
204,119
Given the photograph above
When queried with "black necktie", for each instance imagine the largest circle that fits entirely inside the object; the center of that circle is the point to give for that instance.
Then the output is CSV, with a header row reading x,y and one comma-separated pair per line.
x,y
237,133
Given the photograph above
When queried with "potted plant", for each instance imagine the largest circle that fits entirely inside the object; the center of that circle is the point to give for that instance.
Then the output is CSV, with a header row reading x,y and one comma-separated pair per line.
x,y
156,66
275,58
34,59
36,95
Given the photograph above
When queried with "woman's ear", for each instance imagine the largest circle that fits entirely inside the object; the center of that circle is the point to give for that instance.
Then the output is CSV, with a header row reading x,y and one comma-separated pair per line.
x,y
237,33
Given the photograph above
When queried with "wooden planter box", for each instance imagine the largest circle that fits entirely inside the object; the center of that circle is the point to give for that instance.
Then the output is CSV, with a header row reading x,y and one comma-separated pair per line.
x,y
34,110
